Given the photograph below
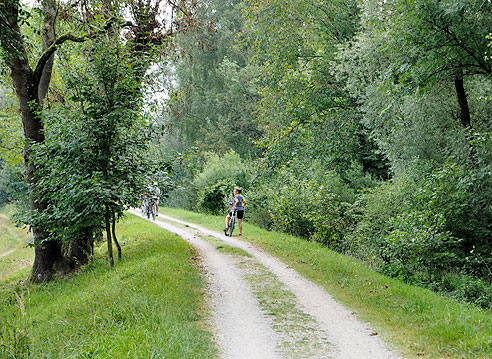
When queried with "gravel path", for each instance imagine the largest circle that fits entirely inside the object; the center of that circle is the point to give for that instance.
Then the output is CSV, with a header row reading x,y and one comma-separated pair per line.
x,y
245,325
4,254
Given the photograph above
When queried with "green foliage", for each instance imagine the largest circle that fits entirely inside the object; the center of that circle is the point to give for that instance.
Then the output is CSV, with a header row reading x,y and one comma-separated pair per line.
x,y
258,211
11,134
12,184
309,203
214,96
307,210
418,247
219,167
428,223
214,184
439,37
462,195
402,66
466,289
213,199
304,112
376,208
182,195
316,153
94,156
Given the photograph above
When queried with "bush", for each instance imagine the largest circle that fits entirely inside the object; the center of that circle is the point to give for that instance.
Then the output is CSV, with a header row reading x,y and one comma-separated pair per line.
x,y
376,209
466,289
213,197
429,222
215,182
257,211
309,206
418,248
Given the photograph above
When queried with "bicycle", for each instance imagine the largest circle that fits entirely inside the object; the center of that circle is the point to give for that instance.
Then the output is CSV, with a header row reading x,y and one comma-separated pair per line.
x,y
145,207
232,222
153,209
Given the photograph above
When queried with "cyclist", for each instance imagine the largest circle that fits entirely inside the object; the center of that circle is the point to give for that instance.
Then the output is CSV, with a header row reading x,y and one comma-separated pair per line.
x,y
144,201
238,202
156,192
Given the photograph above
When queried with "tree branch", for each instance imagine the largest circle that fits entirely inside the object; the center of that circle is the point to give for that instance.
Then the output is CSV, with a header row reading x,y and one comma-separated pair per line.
x,y
51,50
453,37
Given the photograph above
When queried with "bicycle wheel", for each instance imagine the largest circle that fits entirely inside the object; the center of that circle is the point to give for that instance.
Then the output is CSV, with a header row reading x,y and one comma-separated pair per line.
x,y
231,226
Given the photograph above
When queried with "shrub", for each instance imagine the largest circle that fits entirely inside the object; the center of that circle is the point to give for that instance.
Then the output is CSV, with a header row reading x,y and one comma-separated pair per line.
x,y
467,289
257,210
213,198
418,248
215,182
310,206
376,208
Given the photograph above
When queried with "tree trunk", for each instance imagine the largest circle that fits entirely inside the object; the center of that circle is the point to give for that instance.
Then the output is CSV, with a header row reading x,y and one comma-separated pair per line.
x,y
108,237
26,85
81,248
462,101
49,37
114,236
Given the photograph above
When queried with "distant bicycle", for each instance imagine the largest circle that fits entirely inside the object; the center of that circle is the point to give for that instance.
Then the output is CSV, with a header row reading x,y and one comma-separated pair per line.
x,y
232,223
152,208
145,207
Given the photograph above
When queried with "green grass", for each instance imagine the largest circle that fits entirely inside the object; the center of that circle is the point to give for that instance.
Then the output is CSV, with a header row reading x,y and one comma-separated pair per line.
x,y
15,258
418,322
224,248
148,306
300,336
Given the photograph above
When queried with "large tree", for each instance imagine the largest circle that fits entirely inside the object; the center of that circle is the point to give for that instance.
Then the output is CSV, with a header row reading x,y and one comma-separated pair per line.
x,y
31,85
147,29
419,68
214,96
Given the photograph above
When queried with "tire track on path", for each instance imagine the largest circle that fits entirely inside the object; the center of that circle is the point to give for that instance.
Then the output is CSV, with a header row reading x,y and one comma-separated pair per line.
x,y
351,338
242,331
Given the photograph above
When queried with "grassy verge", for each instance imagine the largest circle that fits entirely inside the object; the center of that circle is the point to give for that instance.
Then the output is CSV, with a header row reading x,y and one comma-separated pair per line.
x,y
15,258
418,322
148,306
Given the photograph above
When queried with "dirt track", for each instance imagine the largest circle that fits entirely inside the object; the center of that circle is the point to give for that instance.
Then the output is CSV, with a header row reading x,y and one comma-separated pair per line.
x,y
261,308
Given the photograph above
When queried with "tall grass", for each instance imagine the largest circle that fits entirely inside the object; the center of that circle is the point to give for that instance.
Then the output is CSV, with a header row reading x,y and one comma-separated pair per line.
x,y
148,306
418,322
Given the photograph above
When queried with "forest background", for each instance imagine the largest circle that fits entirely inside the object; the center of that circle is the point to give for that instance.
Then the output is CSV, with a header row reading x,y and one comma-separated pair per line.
x,y
362,125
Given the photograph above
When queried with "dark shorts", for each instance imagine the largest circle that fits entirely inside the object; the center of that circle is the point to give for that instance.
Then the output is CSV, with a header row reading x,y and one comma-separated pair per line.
x,y
239,214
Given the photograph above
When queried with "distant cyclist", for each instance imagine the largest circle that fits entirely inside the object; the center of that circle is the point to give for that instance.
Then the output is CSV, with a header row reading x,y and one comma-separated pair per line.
x,y
238,202
145,201
156,192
